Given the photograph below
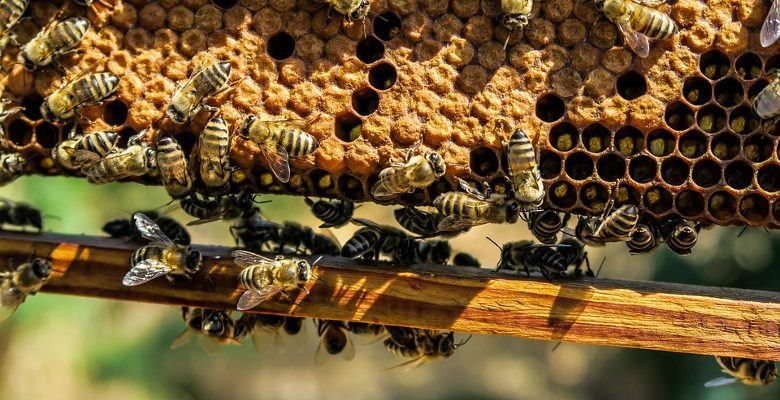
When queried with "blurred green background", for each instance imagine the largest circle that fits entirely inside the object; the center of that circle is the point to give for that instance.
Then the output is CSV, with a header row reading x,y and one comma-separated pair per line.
x,y
59,347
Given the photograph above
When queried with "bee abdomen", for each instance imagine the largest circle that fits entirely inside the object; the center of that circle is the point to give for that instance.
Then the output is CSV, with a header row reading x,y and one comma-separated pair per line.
x,y
69,33
150,252
99,142
247,278
520,152
297,143
682,238
363,241
545,226
96,87
620,224
653,23
213,77
643,240
402,351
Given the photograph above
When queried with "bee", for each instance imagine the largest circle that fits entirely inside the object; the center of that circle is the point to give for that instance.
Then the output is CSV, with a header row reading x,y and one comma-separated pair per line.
x,y
161,257
372,240
254,232
263,277
19,214
10,13
574,254
517,14
62,153
25,280
546,224
528,255
125,228
333,213
193,323
53,42
524,174
11,167
464,210
224,207
744,370
76,151
766,104
334,339
4,114
615,227
352,10
294,236
638,21
135,160
466,260
416,172
680,236
204,82
644,239
216,325
213,154
421,345
173,167
770,30
278,141
366,329
83,90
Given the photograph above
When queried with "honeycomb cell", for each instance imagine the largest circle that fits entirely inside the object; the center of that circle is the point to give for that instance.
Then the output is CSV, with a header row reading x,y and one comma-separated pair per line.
x,y
348,127
483,161
722,206
19,133
776,211
743,121
697,90
594,196
711,118
679,116
550,164
579,166
365,101
739,175
758,148
714,64
123,135
728,92
387,26
626,194
674,171
771,64
660,143
643,169
351,187
611,167
46,135
756,88
596,138
689,203
224,4
564,136
382,76
562,194
629,140
439,187
769,177
725,146
754,208
658,200
31,106
115,113
706,173
322,182
281,46
550,108
693,144
748,66
631,85
370,50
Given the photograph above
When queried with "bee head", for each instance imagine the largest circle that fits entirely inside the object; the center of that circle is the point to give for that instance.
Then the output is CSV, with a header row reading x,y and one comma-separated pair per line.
x,y
515,21
194,259
437,163
175,115
27,63
244,133
445,345
304,271
48,114
117,227
360,12
599,4
512,211
41,268
214,323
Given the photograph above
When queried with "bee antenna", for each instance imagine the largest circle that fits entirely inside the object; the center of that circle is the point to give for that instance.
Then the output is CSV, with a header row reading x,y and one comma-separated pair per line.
x,y
506,42
744,228
54,217
317,260
556,347
598,271
463,342
494,242
377,16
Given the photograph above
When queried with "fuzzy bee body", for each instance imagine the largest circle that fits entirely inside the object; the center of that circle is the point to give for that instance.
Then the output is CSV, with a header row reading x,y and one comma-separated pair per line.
x,y
205,81
574,254
517,14
416,251
278,141
466,260
416,172
363,243
84,90
546,224
212,209
766,104
527,255
4,114
216,325
174,258
681,236
135,160
76,151
214,154
464,210
125,228
367,329
615,227
26,279
333,213
11,167
263,278
526,179
52,42
172,163
420,345
744,370
19,215
644,239
10,13
637,22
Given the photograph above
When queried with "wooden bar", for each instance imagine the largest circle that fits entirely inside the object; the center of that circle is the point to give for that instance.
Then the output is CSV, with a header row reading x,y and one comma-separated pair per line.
x,y
647,315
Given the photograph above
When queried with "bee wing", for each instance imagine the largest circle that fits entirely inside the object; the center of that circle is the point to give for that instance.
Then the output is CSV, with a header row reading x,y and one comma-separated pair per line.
x,y
636,41
278,162
411,364
244,259
84,157
721,381
348,354
150,231
182,339
213,218
251,298
119,158
7,311
470,189
144,272
11,297
770,30
452,223
381,189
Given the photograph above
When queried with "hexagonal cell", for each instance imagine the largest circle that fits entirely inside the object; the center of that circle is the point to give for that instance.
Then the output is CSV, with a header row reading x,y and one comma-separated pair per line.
x,y
186,140
758,148
483,161
706,173
643,169
722,205
754,208
387,26
725,146
658,200
19,133
711,118
348,127
550,108
280,46
661,142
693,144
756,88
743,121
631,84
500,185
351,187
769,177
594,196
382,76
369,50
596,138
611,167
550,164
738,175
679,116
626,195
564,136
748,66
674,171
729,92
365,101
629,140
771,64
689,203
46,135
714,64
439,187
115,113
224,4
562,194
32,106
579,166
322,182
697,90
297,184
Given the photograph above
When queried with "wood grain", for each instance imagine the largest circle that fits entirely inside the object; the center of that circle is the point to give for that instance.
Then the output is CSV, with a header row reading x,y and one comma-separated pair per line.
x,y
648,315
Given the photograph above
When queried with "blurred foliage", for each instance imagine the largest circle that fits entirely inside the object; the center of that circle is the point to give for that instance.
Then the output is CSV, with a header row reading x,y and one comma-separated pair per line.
x,y
59,347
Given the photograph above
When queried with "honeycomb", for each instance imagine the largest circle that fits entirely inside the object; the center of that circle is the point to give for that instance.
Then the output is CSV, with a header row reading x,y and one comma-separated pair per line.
x,y
673,131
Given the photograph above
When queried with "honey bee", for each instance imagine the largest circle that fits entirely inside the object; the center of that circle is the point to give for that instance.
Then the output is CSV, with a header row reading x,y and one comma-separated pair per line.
x,y
421,345
263,277
352,10
76,151
770,30
161,257
574,254
53,42
204,82
125,228
172,164
546,224
83,90
27,279
403,249
213,154
11,167
10,13
254,232
766,104
4,114
517,14
334,339
278,141
216,325
365,329
370,241
637,21
681,236
19,214
294,236
466,260
744,370
416,172
135,160
615,227
333,213
464,210
527,185
529,255
644,239
224,207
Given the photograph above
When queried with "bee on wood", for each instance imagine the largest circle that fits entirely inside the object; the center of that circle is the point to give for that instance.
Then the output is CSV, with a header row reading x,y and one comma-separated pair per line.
x,y
334,339
10,13
416,172
204,82
644,239
404,249
4,114
254,232
214,154
19,214
770,30
161,257
744,370
124,228
333,213
83,90
574,254
420,345
172,164
11,167
466,260
529,255
263,277
766,104
464,210
53,42
278,141
615,227
27,279
517,14
637,21
135,160
527,185
680,236
259,325
546,224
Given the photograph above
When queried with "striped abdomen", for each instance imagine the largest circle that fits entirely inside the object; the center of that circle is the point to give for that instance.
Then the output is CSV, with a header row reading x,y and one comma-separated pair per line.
x,y
682,238
48,44
767,103
618,225
364,240
210,80
295,141
173,167
416,221
213,148
150,252
255,277
99,142
651,22
403,351
201,209
520,153
363,328
455,203
92,89
334,213
545,225
547,258
643,240
10,12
